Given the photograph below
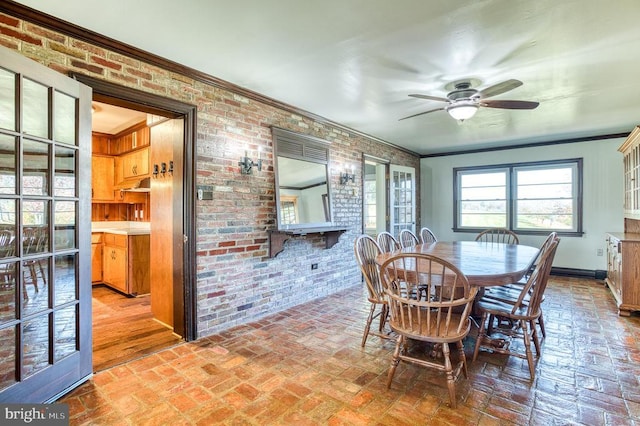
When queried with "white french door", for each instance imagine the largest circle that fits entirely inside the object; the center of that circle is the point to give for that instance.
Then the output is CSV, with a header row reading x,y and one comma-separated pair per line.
x,y
402,198
45,226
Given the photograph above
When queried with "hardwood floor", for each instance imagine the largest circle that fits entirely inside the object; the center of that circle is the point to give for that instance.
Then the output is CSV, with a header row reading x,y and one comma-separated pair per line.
x,y
124,329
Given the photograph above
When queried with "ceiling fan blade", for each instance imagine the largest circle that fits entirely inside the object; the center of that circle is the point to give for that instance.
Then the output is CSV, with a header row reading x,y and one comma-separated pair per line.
x,y
422,113
509,104
431,98
499,88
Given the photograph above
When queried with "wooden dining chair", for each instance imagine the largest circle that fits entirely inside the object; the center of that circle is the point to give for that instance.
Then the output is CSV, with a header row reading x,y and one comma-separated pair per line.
x,y
498,235
427,237
524,311
440,318
35,241
366,250
7,270
387,242
509,293
408,238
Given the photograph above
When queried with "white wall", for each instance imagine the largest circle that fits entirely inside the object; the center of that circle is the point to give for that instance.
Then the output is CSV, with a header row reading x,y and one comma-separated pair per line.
x,y
602,186
310,208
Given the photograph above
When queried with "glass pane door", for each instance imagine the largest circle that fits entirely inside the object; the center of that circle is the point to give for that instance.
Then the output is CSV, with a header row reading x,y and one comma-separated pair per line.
x,y
45,299
402,199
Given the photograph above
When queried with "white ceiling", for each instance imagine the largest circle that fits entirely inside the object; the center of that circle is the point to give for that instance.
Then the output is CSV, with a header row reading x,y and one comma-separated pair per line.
x,y
355,61
111,119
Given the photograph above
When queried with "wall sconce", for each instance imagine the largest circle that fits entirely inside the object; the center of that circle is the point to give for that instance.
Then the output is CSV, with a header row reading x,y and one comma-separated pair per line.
x,y
345,177
246,164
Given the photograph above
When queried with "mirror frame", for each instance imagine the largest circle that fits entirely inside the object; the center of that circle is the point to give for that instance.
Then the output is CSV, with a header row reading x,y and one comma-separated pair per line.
x,y
304,148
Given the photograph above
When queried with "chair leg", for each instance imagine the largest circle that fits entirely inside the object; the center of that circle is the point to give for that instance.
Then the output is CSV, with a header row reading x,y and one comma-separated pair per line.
x,y
383,317
492,318
534,335
463,357
44,277
451,384
34,275
527,348
541,324
395,360
480,335
367,326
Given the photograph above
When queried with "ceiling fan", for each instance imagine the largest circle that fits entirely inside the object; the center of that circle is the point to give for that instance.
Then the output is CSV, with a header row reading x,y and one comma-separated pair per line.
x,y
464,100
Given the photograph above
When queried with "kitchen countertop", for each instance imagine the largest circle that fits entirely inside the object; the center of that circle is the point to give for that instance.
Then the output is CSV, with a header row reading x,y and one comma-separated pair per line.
x,y
122,228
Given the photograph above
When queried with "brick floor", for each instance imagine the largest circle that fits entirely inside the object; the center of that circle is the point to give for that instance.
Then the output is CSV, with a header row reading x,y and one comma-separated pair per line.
x,y
305,366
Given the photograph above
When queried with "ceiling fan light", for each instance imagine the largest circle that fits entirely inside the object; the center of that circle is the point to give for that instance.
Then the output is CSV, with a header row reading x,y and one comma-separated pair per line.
x,y
462,112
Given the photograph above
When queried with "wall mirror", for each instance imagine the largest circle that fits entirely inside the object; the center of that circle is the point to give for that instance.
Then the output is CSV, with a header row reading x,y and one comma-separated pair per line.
x,y
302,170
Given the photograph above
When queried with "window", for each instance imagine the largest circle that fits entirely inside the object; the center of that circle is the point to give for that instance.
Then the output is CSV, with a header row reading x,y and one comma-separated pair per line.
x,y
288,209
528,198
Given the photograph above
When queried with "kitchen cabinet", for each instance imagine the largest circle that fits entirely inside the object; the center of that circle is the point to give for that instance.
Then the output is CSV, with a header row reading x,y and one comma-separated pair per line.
x,y
126,263
623,276
100,143
96,257
114,264
130,141
102,174
135,164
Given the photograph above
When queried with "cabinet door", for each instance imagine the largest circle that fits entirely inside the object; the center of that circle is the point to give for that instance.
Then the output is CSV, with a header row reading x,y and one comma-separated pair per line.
x,y
631,169
96,262
115,267
136,164
139,268
616,266
102,170
613,265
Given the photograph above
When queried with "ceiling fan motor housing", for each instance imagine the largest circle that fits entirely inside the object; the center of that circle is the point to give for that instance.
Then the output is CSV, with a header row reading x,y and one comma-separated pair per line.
x,y
463,91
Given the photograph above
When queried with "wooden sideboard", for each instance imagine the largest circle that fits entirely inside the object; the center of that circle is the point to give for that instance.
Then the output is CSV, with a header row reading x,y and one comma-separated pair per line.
x,y
623,275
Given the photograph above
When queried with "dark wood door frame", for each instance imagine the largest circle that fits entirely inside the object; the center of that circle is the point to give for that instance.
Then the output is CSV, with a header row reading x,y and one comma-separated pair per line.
x,y
185,312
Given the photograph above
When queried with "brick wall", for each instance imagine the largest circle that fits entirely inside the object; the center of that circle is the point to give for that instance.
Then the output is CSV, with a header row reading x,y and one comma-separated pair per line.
x,y
236,281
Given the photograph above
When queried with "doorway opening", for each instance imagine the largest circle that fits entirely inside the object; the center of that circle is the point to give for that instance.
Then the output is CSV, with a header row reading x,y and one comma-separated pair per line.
x,y
157,198
375,198
129,320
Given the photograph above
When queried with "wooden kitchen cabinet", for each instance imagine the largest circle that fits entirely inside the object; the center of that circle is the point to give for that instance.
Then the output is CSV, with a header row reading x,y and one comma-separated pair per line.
x,y
102,175
623,275
135,164
126,263
114,263
96,257
131,140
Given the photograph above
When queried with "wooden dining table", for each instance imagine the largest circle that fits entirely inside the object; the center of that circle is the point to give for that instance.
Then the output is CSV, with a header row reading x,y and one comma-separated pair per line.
x,y
484,264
